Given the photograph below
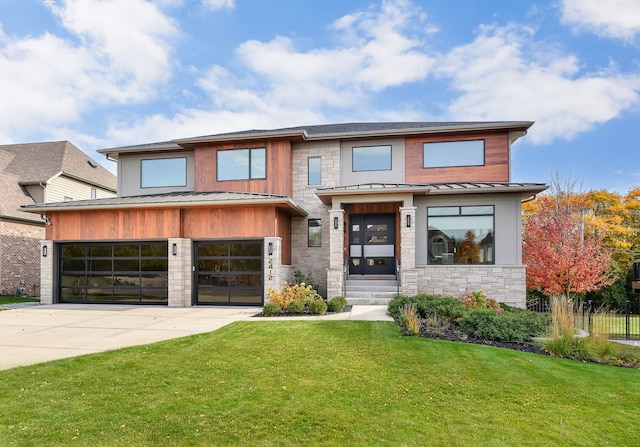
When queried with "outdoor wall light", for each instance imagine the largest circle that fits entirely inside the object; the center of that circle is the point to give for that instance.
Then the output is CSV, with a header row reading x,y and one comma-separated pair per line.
x,y
45,250
408,220
336,224
270,249
174,249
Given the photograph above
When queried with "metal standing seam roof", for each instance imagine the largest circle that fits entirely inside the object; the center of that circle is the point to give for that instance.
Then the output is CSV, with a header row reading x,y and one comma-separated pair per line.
x,y
188,199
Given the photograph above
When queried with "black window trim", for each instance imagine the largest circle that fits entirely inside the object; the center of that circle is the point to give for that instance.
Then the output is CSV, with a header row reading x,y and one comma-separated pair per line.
x,y
250,177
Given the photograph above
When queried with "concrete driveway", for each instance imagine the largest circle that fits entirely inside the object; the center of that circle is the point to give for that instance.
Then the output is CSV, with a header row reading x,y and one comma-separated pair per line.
x,y
37,334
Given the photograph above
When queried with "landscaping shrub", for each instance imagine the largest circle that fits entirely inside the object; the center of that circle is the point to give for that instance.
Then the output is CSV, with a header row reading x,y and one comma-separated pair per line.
x,y
478,300
446,307
513,326
296,306
410,318
305,279
292,292
318,307
337,304
271,308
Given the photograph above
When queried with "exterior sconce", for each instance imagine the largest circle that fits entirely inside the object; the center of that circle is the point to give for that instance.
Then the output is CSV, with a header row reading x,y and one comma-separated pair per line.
x,y
408,220
336,224
174,249
45,250
270,249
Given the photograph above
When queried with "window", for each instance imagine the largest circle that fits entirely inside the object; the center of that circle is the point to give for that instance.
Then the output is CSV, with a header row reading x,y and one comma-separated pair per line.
x,y
372,158
314,232
460,234
453,153
242,164
68,199
94,193
163,172
315,171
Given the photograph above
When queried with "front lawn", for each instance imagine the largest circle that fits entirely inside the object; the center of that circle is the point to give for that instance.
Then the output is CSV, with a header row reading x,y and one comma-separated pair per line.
x,y
17,299
333,383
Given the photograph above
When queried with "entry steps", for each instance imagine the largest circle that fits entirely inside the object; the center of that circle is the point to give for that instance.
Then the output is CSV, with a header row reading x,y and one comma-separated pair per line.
x,y
371,289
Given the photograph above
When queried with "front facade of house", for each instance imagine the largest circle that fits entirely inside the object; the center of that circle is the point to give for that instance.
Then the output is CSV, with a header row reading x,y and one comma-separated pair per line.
x,y
418,207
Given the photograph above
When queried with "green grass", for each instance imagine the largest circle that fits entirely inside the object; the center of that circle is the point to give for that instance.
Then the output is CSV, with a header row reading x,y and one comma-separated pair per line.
x,y
320,383
17,299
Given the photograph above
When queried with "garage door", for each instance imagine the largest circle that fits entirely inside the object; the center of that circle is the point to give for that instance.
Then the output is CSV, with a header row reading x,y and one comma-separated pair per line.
x,y
229,272
106,272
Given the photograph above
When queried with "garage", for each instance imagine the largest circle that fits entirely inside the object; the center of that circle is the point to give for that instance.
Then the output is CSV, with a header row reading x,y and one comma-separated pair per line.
x,y
229,272
113,272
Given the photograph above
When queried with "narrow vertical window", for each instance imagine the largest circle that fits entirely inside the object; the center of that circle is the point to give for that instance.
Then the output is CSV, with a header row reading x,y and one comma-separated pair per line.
x,y
314,232
94,193
315,171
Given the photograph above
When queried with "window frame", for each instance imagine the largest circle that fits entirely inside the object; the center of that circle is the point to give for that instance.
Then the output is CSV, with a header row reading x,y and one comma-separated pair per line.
x,y
353,157
462,214
448,146
144,161
319,173
317,230
250,163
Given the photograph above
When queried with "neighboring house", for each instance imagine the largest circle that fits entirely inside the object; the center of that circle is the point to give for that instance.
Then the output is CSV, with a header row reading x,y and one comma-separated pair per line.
x,y
37,173
220,219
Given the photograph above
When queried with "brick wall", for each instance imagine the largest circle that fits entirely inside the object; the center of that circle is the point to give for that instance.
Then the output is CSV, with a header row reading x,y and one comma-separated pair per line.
x,y
20,256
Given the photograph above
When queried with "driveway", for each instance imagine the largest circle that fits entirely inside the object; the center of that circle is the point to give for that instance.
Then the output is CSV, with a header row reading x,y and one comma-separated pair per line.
x,y
35,334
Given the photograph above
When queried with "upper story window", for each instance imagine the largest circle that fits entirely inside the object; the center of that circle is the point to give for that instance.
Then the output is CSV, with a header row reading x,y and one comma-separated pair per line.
x,y
94,193
453,153
315,171
242,164
461,234
372,158
163,172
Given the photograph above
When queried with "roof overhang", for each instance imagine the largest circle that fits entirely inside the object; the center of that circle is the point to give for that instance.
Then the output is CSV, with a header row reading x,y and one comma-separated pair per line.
x,y
173,200
526,190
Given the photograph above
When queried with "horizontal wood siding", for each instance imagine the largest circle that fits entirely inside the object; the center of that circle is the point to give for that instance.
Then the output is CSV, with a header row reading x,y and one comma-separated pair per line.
x,y
283,230
496,168
279,169
61,187
229,222
91,225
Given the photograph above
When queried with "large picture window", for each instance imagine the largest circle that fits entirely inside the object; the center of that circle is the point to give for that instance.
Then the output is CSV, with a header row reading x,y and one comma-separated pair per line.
x,y
163,172
242,164
371,158
453,153
461,234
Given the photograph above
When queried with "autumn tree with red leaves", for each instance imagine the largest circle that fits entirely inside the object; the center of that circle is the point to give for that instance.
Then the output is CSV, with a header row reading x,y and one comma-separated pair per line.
x,y
561,258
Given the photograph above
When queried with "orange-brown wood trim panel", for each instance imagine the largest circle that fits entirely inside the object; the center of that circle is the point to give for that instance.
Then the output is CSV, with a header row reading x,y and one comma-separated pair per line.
x,y
495,169
279,169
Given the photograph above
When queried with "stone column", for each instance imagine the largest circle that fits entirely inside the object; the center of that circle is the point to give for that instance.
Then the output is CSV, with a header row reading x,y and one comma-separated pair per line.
x,y
46,272
408,274
336,253
273,271
180,272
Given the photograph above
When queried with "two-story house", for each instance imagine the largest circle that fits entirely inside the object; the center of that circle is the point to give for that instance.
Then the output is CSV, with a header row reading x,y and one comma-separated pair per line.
x,y
39,173
219,219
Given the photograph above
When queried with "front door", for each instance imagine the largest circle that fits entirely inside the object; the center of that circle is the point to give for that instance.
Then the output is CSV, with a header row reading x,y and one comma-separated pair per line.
x,y
372,244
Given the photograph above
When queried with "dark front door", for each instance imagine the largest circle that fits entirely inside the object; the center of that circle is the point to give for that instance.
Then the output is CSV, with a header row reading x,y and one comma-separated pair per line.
x,y
372,244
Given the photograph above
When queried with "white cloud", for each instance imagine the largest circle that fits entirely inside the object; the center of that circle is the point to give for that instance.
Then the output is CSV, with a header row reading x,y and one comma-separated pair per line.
x,y
219,4
619,19
118,52
503,75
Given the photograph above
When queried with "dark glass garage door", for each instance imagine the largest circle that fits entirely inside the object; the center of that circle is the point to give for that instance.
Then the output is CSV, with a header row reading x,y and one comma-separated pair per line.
x,y
123,272
229,272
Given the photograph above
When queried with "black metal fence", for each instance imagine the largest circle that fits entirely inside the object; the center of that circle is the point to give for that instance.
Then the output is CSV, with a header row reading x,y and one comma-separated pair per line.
x,y
588,318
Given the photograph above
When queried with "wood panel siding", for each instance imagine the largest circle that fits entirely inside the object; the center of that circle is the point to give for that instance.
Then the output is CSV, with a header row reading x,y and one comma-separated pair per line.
x,y
91,225
229,222
495,169
373,208
279,169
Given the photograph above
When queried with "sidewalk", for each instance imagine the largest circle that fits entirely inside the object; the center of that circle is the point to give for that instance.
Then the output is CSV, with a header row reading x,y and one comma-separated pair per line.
x,y
33,333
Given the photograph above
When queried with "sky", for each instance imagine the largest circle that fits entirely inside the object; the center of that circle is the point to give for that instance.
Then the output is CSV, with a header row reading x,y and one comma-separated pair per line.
x,y
108,73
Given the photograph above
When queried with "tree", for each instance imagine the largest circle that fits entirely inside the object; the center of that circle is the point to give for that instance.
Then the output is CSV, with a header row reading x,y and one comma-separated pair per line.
x,y
561,257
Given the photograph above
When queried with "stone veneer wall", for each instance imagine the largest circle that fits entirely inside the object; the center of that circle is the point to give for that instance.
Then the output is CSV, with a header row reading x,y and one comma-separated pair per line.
x,y
20,256
180,273
314,260
506,284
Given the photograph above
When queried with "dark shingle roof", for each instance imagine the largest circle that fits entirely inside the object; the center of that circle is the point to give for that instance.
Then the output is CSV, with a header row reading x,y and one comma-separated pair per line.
x,y
39,162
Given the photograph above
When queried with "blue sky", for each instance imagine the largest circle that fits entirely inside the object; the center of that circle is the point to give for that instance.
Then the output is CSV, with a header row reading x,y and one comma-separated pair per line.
x,y
105,73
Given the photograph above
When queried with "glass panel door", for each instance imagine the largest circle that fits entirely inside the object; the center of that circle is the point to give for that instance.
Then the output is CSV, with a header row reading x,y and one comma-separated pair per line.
x,y
372,244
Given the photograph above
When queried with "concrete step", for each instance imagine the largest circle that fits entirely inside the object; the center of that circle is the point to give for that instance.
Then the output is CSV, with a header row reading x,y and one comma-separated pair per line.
x,y
368,301
379,291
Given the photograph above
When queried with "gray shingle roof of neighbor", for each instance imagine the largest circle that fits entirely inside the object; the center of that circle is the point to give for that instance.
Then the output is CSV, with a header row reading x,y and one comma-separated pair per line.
x,y
38,162
326,131
216,198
